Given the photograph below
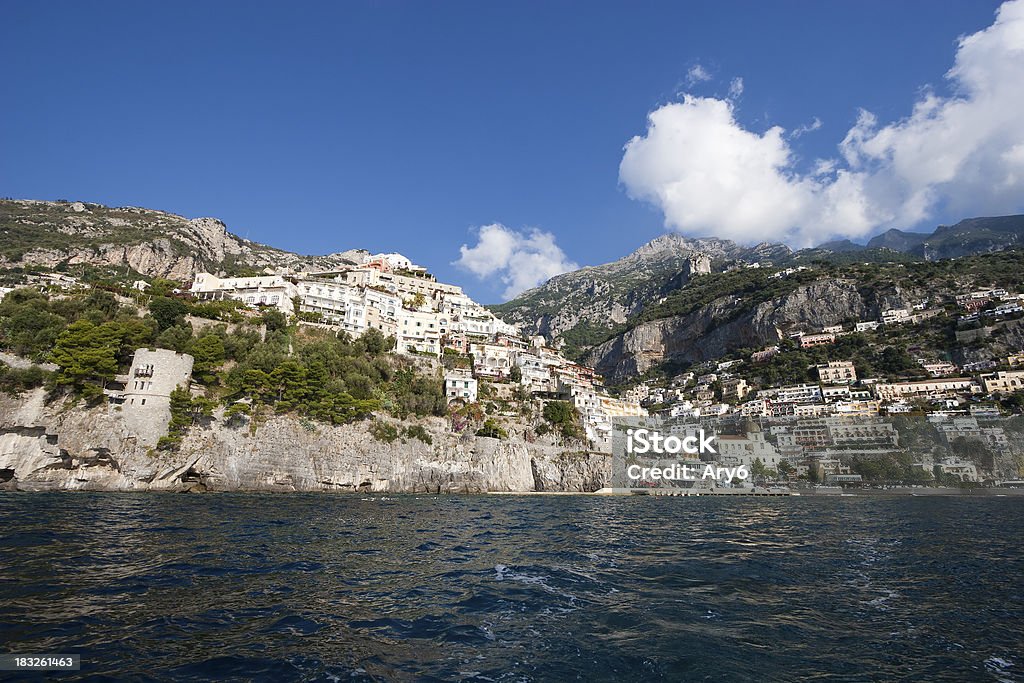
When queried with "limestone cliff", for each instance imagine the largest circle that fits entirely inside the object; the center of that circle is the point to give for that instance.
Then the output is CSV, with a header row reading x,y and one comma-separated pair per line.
x,y
726,323
152,243
59,446
584,306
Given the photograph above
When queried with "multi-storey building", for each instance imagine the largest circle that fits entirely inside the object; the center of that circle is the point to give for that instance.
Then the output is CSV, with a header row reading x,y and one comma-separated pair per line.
x,y
273,291
1003,382
837,372
797,393
927,388
735,389
460,385
811,340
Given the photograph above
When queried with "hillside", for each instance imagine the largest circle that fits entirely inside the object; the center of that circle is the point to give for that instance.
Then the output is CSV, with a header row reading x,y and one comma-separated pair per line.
x,y
732,314
974,236
58,235
585,306
594,305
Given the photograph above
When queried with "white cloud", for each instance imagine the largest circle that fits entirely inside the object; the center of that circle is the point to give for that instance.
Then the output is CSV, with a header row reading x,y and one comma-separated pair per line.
x,y
697,74
962,153
520,259
735,88
814,125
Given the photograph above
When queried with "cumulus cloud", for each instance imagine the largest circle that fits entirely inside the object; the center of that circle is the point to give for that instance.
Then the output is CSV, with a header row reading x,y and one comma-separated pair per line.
x,y
520,259
697,74
962,153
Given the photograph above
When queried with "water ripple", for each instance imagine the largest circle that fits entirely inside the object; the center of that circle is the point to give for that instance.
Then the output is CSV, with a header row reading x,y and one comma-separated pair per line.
x,y
318,587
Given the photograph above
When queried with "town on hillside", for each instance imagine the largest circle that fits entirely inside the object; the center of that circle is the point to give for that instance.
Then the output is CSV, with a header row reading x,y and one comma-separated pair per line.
x,y
482,355
830,430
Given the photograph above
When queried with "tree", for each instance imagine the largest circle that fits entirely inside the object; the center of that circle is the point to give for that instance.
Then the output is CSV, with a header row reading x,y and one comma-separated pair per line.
x,y
375,343
275,320
758,470
562,414
515,374
184,412
785,468
208,352
29,330
167,312
87,353
177,338
492,429
162,287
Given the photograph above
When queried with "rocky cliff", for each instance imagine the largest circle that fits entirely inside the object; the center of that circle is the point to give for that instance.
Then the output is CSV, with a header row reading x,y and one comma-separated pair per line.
x,y
585,305
151,243
728,323
57,446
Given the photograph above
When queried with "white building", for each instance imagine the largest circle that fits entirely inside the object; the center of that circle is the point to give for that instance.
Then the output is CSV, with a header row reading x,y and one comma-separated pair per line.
x,y
896,315
933,387
273,291
418,332
734,450
492,360
460,385
797,393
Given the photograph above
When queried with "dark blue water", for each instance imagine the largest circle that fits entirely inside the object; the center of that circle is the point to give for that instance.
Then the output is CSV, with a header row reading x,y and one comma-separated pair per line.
x,y
320,587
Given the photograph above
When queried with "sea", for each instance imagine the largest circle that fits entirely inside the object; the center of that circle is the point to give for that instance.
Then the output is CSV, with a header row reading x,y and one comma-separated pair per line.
x,y
353,587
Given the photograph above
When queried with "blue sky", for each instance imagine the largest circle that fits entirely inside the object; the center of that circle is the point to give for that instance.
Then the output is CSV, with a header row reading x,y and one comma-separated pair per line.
x,y
317,127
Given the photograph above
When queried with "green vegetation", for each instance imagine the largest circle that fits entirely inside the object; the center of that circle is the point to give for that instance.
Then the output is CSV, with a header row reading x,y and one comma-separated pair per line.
x,y
16,380
563,416
585,336
384,431
419,432
492,429
186,410
749,287
314,373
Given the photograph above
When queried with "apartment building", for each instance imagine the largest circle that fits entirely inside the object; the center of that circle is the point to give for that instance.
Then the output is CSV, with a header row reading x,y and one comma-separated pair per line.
x,y
837,372
808,341
932,387
273,291
1003,382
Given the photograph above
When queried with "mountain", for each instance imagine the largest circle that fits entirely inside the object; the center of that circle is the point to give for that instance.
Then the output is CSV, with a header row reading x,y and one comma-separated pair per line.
x,y
734,313
840,246
898,240
585,306
653,307
969,236
974,236
151,243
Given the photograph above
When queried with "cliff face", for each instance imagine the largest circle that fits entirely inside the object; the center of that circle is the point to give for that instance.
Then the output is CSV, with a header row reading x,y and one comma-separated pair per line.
x,y
152,243
57,446
712,330
592,300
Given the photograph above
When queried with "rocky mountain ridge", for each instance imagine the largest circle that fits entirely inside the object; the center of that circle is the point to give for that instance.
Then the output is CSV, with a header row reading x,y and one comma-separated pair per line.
x,y
149,242
969,236
585,305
